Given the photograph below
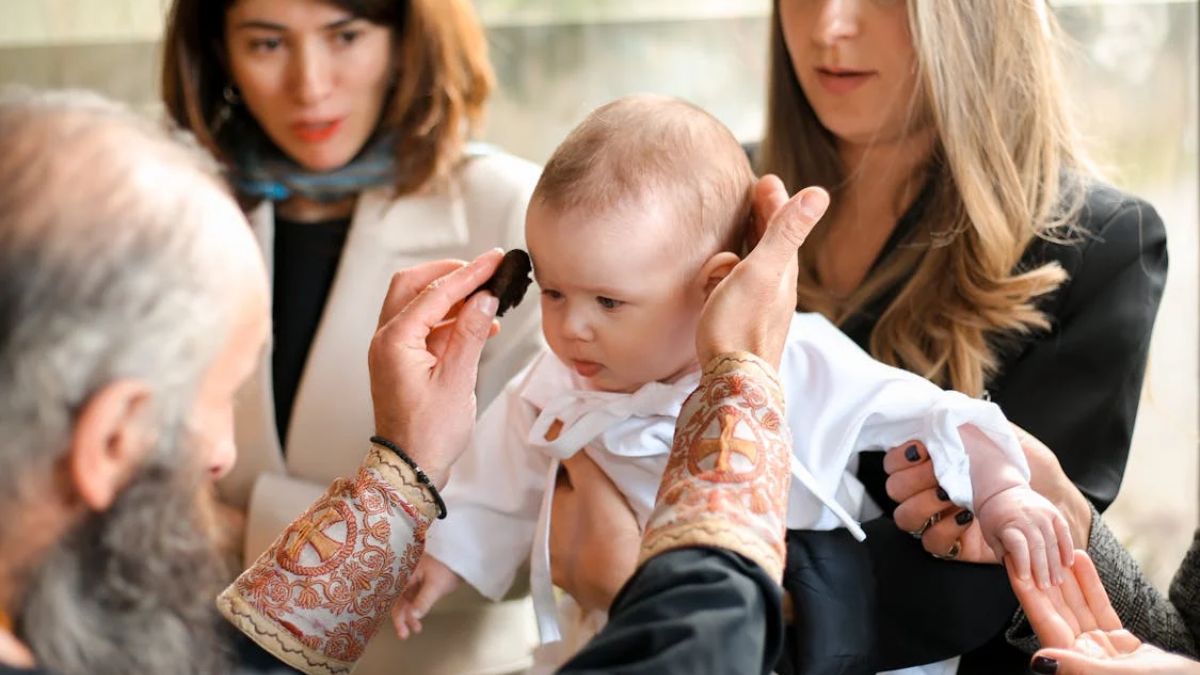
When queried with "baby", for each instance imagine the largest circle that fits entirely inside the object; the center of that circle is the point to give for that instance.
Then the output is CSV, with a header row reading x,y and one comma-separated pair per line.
x,y
636,218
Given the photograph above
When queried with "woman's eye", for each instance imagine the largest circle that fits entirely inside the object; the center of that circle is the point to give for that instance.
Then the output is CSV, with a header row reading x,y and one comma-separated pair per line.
x,y
608,303
551,294
265,44
346,37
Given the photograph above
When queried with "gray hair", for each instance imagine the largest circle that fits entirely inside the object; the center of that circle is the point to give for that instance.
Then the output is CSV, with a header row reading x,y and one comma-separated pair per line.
x,y
104,274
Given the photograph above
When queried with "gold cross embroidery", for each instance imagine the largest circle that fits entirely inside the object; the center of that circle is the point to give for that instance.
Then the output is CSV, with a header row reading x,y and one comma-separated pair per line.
x,y
726,446
310,532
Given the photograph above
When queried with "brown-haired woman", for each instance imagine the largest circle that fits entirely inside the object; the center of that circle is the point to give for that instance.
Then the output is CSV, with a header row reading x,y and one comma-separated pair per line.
x,y
969,242
343,127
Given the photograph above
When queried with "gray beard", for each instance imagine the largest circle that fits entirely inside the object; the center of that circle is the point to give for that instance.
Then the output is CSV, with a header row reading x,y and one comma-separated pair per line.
x,y
131,591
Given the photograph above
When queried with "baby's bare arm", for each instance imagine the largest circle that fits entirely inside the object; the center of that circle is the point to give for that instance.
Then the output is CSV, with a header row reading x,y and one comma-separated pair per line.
x,y
1015,520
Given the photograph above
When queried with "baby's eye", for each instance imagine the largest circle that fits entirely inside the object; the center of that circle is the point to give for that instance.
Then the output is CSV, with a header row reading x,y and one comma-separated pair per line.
x,y
551,294
608,303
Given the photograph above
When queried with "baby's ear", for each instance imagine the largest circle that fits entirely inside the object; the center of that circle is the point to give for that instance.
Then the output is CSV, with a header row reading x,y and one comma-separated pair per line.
x,y
715,269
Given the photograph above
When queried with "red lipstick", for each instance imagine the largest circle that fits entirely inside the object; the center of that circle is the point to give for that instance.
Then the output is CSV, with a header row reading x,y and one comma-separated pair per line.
x,y
317,131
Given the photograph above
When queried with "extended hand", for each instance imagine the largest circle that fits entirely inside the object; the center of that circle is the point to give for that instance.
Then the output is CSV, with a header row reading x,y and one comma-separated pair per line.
x,y
424,359
1082,634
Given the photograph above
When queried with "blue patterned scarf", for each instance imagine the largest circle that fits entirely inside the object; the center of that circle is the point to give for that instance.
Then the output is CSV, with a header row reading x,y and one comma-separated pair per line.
x,y
260,170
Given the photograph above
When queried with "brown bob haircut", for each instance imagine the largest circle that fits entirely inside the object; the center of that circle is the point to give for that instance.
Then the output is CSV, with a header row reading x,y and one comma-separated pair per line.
x,y
444,77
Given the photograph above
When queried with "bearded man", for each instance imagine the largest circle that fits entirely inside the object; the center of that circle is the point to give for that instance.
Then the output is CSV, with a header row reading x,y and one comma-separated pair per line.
x,y
133,303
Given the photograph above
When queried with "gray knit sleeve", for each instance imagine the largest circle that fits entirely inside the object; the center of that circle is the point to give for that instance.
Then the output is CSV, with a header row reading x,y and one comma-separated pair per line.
x,y
1185,589
1142,609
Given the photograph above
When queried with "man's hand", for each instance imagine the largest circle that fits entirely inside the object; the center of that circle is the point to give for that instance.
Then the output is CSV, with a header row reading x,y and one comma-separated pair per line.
x,y
750,310
594,538
424,358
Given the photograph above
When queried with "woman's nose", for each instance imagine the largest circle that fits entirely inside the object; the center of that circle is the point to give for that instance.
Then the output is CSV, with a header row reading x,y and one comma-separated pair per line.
x,y
313,76
837,20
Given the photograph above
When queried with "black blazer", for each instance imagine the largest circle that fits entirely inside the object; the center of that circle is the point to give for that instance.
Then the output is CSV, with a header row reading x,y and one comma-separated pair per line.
x,y
1076,387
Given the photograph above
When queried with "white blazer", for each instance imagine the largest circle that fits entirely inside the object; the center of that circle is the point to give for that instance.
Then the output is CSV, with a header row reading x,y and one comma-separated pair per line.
x,y
481,205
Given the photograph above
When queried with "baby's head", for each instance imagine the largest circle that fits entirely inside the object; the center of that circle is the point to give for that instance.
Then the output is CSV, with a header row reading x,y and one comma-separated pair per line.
x,y
638,214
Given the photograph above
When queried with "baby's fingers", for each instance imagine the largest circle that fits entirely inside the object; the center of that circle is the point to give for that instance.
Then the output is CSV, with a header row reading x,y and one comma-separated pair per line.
x,y
1066,547
400,617
1017,548
1054,553
1039,560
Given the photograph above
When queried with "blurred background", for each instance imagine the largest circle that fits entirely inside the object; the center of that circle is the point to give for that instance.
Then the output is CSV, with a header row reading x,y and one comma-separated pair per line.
x,y
1133,79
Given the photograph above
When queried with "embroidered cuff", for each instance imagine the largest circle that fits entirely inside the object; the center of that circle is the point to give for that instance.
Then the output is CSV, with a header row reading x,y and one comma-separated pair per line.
x,y
316,596
727,480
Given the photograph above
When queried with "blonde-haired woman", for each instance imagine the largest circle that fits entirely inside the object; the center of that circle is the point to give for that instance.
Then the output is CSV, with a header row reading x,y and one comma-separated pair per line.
x,y
343,126
970,242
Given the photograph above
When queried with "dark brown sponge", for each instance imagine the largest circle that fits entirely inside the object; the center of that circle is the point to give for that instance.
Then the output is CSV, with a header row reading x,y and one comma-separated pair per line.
x,y
510,280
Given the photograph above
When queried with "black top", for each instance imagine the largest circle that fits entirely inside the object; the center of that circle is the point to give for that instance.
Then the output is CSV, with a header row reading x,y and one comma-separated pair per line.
x,y
1075,387
8,670
306,260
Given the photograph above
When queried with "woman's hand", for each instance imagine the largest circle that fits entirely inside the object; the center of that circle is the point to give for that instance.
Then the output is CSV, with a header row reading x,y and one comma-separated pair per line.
x,y
951,532
925,510
594,537
1081,633
750,310
424,358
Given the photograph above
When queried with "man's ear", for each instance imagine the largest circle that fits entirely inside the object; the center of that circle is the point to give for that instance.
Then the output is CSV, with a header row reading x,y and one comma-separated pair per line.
x,y
108,442
715,269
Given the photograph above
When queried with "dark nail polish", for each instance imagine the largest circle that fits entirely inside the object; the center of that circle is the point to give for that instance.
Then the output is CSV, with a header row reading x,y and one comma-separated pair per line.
x,y
1044,665
912,454
941,494
964,517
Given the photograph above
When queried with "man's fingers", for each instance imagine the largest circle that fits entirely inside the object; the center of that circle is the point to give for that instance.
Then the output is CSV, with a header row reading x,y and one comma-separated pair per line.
x,y
432,305
769,196
789,227
439,337
408,284
472,327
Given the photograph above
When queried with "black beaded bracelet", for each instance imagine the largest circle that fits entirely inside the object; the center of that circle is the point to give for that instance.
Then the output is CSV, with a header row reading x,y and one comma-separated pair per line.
x,y
422,478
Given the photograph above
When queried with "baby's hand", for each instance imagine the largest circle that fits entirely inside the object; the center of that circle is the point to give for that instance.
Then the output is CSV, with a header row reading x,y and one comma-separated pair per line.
x,y
1024,525
430,582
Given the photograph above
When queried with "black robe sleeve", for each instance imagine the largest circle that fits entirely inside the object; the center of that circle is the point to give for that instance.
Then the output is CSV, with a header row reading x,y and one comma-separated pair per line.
x,y
693,611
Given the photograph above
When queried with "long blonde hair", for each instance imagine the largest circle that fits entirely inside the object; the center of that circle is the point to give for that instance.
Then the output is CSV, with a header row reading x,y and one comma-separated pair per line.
x,y
1005,170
